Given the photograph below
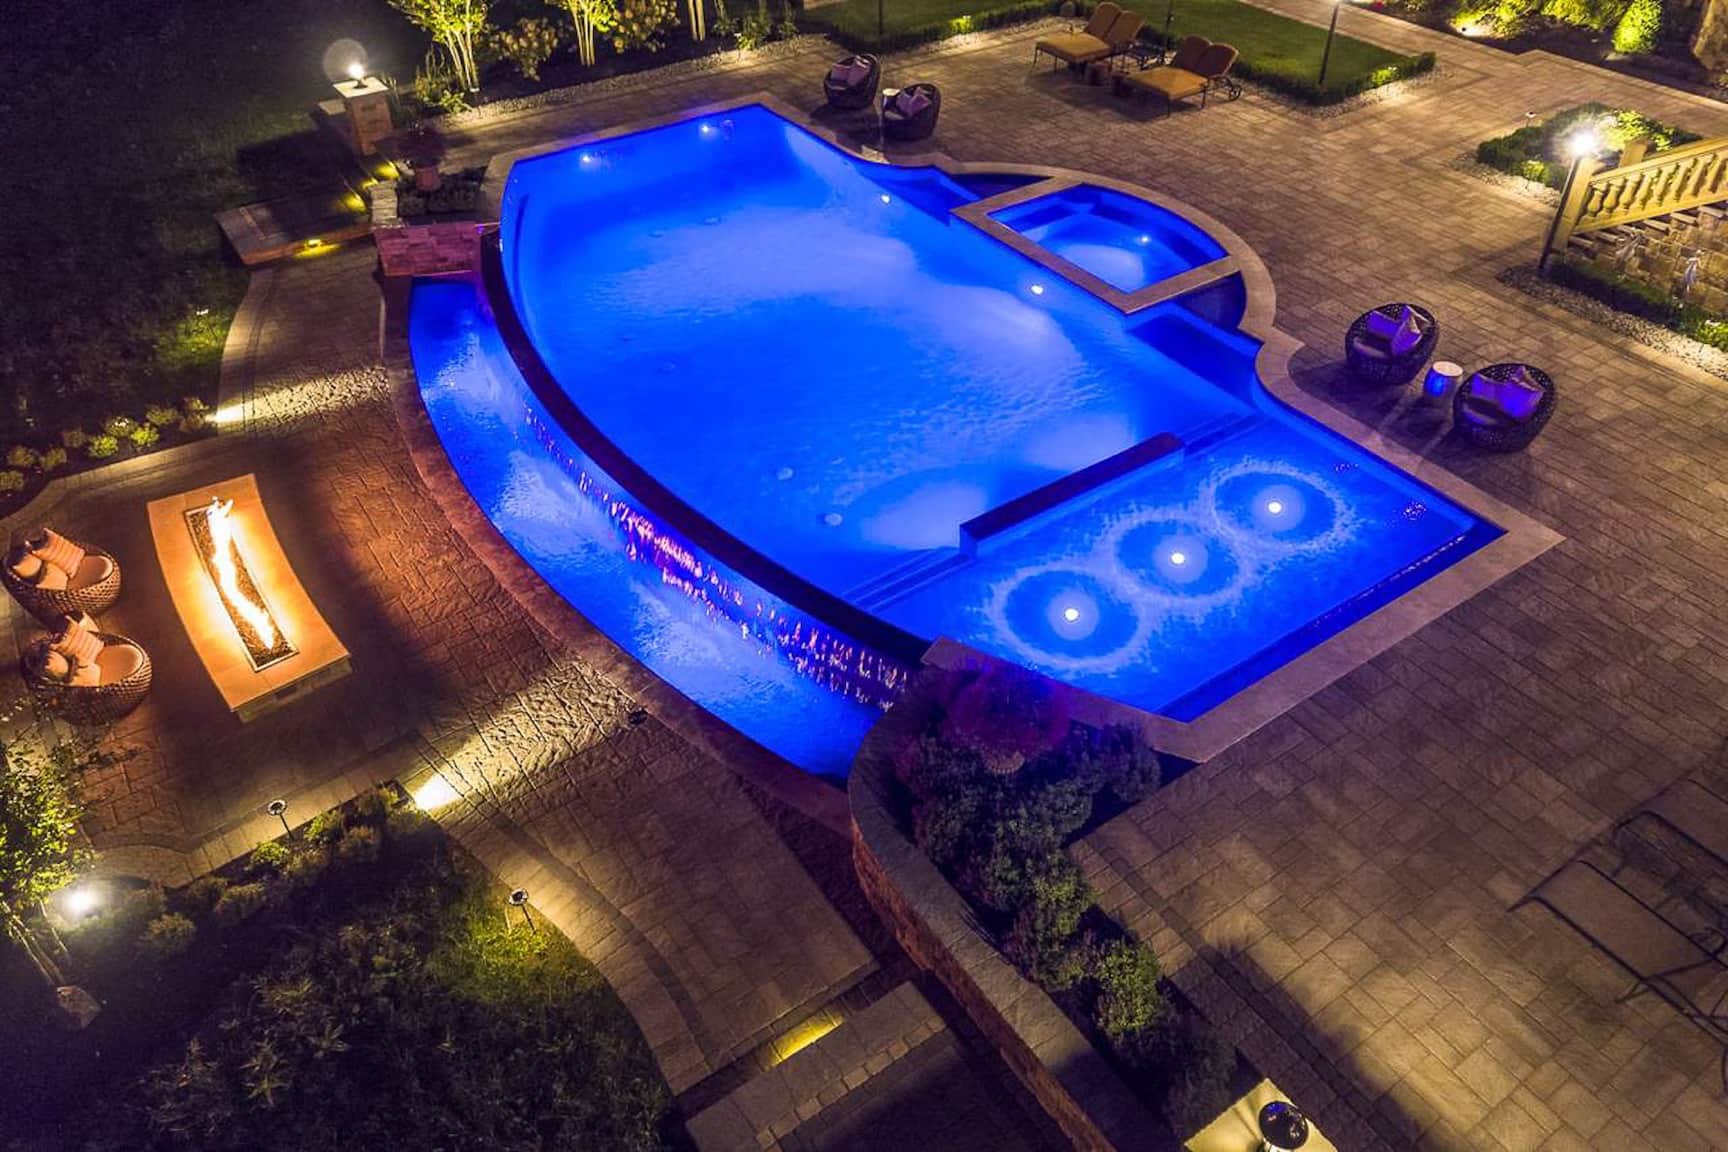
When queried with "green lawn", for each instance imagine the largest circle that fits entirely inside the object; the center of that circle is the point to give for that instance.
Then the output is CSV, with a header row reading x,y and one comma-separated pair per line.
x,y
127,126
1274,48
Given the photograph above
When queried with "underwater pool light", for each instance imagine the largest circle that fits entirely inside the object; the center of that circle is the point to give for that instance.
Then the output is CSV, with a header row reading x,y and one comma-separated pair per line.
x,y
1037,289
1178,558
1071,614
1275,507
886,198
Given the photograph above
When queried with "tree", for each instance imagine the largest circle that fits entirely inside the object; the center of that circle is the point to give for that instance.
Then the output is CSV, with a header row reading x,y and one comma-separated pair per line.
x,y
458,25
590,17
39,850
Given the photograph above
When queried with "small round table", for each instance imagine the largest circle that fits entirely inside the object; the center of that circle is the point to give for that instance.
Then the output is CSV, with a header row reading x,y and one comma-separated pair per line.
x,y
1443,377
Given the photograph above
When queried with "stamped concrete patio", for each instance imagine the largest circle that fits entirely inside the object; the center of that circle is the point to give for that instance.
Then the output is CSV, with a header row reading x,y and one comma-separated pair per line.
x,y
1335,889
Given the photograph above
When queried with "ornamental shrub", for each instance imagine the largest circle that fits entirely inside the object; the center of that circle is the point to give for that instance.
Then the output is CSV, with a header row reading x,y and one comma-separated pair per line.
x,y
161,415
74,438
52,460
528,44
269,858
168,935
307,866
1593,14
326,827
143,436
1129,1003
359,845
1006,716
1044,940
1195,1066
11,480
21,457
1114,760
1639,27
642,24
101,446
119,426
240,903
200,896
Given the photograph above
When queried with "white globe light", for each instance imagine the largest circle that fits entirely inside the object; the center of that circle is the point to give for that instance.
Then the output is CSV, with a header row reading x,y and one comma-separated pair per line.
x,y
1178,558
356,71
1071,614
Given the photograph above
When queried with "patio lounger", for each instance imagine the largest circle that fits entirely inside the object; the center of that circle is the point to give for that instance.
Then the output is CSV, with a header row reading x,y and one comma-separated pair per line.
x,y
1659,957
1065,45
1084,48
1695,813
1195,70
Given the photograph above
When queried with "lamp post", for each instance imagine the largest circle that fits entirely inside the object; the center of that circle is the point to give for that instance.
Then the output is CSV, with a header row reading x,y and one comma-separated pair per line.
x,y
519,899
1581,146
1331,30
279,809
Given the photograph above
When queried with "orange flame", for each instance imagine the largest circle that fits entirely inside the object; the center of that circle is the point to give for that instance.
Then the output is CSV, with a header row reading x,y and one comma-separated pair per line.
x,y
224,543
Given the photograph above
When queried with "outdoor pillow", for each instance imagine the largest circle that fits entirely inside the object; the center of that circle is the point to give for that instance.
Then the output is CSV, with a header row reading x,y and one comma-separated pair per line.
x,y
55,666
1519,399
912,101
1409,334
840,72
26,565
85,675
856,71
58,551
1384,326
49,578
81,646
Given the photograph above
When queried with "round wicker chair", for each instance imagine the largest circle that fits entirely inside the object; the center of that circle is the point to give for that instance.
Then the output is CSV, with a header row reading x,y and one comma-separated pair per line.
x,y
93,589
896,125
100,703
857,94
1486,423
1371,359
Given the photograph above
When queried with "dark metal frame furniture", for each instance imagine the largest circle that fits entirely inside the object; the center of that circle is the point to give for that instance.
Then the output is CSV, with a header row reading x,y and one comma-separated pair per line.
x,y
851,97
49,606
1389,369
896,126
94,704
1510,434
1658,956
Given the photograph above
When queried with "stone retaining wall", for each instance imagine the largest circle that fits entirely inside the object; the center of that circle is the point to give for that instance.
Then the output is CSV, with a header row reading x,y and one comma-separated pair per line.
x,y
1659,250
1068,1077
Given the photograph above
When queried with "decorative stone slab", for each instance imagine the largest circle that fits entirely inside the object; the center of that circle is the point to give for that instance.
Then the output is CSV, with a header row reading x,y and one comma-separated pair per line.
x,y
318,657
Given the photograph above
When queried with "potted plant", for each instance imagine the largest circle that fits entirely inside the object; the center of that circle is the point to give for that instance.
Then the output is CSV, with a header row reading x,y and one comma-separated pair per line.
x,y
422,148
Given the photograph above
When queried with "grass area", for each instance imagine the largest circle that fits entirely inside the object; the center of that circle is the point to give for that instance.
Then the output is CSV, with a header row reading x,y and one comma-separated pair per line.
x,y
1282,52
128,124
361,986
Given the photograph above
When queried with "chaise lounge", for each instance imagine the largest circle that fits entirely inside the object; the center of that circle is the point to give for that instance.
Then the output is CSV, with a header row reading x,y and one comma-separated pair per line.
x,y
1108,33
1198,68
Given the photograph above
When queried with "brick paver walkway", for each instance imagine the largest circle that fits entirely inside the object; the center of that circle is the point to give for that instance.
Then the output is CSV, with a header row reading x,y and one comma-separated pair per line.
x,y
1351,867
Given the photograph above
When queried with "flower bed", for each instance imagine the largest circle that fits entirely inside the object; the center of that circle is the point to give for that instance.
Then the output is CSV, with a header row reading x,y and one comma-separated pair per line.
x,y
1538,151
358,983
1625,294
992,779
29,467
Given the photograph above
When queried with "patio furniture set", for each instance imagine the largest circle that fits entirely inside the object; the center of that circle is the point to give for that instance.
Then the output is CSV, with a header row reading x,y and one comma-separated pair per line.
x,y
1502,407
1684,965
907,113
1111,38
79,672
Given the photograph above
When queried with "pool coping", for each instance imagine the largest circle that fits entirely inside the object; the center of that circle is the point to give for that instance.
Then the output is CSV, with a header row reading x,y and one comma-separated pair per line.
x,y
1522,538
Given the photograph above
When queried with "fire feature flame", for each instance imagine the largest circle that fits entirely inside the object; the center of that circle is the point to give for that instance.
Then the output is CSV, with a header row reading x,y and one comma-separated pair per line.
x,y
225,548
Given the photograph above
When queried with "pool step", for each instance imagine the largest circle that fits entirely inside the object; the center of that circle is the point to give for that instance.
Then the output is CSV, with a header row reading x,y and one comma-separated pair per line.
x,y
1208,434
881,590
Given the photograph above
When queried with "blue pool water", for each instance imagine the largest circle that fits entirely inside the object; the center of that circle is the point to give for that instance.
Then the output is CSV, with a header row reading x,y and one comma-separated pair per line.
x,y
812,353
1125,242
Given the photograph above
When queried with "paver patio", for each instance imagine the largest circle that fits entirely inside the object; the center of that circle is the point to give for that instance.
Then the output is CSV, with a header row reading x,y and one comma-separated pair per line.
x,y
1338,884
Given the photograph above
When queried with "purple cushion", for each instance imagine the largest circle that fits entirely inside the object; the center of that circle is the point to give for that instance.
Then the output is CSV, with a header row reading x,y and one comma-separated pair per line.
x,y
1501,401
1371,349
1384,326
912,101
1408,335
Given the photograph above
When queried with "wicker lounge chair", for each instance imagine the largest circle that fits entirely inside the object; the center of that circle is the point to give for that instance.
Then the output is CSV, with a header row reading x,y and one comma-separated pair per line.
x,y
1658,956
1390,344
110,685
851,83
1198,68
910,114
36,574
1079,48
1504,406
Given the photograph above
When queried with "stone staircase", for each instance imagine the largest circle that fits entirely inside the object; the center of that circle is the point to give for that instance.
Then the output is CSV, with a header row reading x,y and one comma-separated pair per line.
x,y
1683,253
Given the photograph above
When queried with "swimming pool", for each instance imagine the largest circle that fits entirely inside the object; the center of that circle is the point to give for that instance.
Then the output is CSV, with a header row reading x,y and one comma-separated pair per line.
x,y
1127,243
814,359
